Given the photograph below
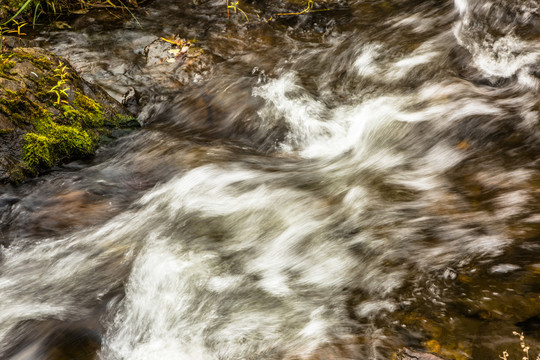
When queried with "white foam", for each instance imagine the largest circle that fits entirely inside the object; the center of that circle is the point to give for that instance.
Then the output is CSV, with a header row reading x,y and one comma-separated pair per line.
x,y
289,105
504,268
404,66
461,5
366,63
374,307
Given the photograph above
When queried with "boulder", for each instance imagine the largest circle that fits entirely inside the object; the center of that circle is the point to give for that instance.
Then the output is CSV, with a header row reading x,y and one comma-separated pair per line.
x,y
49,115
409,354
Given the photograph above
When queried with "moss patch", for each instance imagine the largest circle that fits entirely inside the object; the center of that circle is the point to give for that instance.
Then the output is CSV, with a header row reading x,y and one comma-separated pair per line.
x,y
52,143
5,66
36,150
16,106
86,111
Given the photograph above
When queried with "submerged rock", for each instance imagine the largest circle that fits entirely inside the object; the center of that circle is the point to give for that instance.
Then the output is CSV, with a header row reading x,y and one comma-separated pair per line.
x,y
49,115
408,354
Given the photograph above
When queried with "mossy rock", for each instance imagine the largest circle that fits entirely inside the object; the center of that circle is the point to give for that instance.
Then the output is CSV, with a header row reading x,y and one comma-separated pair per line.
x,y
49,115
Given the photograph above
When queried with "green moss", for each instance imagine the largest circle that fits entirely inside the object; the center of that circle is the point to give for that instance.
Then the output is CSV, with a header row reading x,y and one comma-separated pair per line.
x,y
41,62
16,175
122,122
52,143
37,151
71,142
5,66
85,103
43,86
85,111
44,83
86,119
17,106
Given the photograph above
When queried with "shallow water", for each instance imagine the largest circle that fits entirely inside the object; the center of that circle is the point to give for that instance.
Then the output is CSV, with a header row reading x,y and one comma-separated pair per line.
x,y
336,185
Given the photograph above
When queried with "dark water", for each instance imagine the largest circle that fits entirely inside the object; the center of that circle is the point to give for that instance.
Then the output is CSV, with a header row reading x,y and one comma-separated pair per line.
x,y
336,185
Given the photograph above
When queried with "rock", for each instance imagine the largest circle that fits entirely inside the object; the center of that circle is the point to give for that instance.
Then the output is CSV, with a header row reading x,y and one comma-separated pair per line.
x,y
48,114
131,100
408,354
180,60
12,42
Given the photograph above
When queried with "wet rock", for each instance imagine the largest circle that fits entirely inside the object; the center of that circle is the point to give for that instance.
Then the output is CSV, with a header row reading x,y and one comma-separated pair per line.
x,y
179,59
408,354
48,114
12,42
131,100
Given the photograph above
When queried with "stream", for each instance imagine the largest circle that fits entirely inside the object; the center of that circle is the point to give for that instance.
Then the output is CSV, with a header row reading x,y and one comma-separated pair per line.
x,y
338,184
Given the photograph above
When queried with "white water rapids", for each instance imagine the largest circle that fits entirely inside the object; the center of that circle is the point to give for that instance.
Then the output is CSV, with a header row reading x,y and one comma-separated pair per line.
x,y
281,251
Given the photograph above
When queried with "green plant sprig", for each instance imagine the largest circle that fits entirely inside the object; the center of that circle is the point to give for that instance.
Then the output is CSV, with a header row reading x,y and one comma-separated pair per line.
x,y
19,33
234,6
2,38
58,90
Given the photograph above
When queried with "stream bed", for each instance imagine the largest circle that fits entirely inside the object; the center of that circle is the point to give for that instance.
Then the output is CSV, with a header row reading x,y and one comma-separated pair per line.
x,y
339,184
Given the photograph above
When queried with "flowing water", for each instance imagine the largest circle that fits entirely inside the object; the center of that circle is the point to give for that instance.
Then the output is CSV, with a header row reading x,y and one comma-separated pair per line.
x,y
333,185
